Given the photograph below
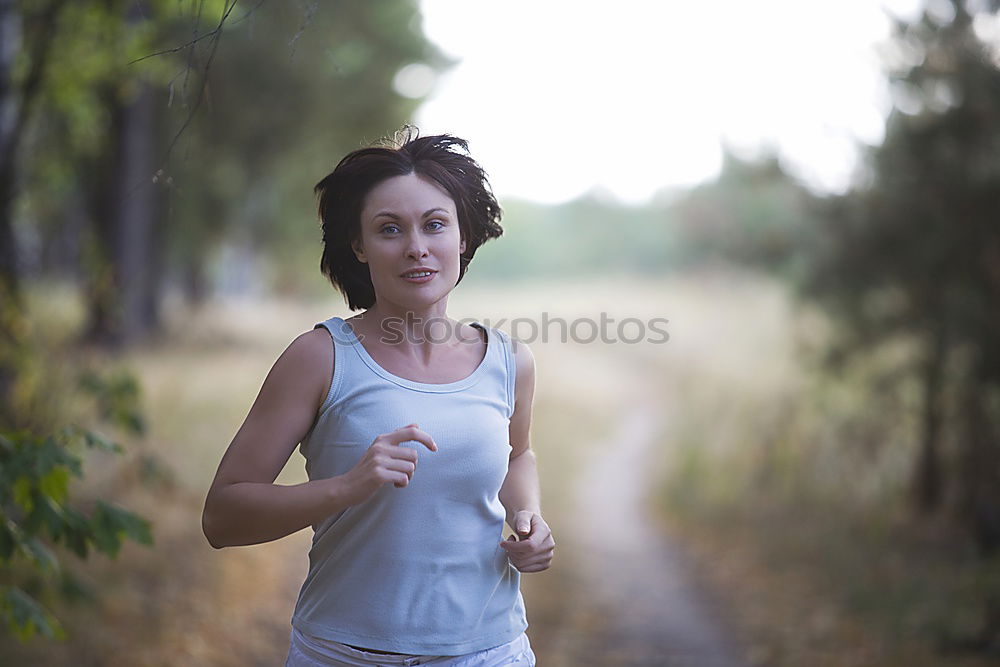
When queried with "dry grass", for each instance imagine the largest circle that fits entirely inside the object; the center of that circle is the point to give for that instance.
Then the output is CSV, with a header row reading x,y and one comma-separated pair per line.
x,y
729,384
788,489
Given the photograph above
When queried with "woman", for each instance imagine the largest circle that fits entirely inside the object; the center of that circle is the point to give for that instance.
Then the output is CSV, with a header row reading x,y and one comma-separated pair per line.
x,y
414,427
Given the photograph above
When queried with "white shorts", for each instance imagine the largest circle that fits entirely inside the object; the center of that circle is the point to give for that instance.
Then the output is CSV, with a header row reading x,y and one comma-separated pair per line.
x,y
307,651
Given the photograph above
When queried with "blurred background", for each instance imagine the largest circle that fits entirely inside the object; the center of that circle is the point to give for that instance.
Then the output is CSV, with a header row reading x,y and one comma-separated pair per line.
x,y
806,470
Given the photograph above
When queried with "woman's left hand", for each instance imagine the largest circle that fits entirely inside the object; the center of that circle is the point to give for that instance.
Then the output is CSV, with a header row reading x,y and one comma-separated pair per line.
x,y
534,551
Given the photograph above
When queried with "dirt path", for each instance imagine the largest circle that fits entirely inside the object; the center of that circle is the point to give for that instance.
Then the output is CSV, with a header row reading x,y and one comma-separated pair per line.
x,y
631,597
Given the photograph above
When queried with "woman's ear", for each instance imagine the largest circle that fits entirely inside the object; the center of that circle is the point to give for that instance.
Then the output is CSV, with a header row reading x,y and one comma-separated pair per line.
x,y
461,248
359,251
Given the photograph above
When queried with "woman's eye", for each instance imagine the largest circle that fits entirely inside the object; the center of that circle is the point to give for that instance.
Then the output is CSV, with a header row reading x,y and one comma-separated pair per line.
x,y
433,225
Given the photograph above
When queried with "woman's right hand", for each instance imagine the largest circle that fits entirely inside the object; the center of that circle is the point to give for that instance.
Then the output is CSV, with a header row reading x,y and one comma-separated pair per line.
x,y
386,460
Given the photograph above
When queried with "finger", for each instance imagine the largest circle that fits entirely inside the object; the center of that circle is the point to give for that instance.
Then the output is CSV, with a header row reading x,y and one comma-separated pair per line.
x,y
524,523
411,433
532,541
401,453
401,465
399,479
517,548
542,537
534,559
522,551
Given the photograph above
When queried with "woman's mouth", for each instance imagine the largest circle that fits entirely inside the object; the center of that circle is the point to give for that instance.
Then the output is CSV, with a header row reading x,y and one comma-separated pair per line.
x,y
419,276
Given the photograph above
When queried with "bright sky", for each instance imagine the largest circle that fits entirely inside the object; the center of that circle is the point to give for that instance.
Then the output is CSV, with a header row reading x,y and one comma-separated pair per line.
x,y
560,97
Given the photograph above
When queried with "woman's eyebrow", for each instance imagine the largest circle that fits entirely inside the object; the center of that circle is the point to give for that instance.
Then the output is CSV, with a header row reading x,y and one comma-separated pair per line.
x,y
390,214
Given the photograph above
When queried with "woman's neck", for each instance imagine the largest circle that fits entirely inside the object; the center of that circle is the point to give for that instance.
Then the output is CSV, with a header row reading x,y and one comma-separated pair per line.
x,y
413,326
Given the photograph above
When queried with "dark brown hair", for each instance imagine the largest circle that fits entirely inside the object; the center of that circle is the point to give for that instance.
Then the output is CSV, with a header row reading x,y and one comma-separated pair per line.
x,y
442,158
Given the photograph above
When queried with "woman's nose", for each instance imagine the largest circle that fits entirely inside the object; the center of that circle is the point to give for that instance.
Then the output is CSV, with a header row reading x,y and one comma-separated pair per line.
x,y
416,247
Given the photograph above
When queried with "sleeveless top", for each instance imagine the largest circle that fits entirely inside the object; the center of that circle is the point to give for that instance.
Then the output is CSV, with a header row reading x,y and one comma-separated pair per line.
x,y
417,569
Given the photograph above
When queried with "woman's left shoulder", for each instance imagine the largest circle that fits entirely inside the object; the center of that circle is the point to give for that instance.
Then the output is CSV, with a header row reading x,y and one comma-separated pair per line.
x,y
524,359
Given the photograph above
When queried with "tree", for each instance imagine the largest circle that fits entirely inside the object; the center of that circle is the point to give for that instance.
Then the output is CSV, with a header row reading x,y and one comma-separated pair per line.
x,y
916,253
289,94
754,213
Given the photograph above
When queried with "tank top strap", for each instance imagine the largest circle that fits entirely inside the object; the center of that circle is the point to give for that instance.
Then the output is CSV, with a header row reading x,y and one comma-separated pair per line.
x,y
341,338
507,349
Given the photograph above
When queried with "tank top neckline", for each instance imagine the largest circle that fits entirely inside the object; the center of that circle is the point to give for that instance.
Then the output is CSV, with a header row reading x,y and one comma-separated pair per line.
x,y
457,385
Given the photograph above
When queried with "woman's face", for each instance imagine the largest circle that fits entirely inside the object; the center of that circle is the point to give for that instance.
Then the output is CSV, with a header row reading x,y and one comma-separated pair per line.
x,y
409,222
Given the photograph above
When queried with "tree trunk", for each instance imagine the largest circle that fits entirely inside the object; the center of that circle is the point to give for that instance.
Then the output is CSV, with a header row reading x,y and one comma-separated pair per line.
x,y
136,214
124,298
927,486
16,105
980,482
104,302
124,290
10,107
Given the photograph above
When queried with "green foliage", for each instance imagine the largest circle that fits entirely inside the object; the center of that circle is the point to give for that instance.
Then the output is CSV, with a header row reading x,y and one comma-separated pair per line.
x,y
912,254
25,616
288,95
36,514
917,246
254,102
754,213
117,397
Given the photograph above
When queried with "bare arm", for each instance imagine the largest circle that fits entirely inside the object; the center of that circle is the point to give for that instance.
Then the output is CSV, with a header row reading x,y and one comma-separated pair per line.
x,y
243,505
520,490
520,493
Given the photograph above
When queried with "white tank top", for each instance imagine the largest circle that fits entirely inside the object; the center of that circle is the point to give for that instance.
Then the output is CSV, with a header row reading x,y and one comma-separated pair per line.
x,y
417,569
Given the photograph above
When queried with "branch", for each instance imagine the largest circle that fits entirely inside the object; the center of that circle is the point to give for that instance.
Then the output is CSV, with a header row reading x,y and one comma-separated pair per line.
x,y
307,19
210,33
216,35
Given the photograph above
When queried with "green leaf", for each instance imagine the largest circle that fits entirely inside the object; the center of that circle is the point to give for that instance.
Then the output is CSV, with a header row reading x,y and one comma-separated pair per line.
x,y
9,538
111,524
6,447
138,529
76,531
55,484
22,494
52,516
118,398
54,454
103,533
97,441
25,617
73,589
37,552
133,421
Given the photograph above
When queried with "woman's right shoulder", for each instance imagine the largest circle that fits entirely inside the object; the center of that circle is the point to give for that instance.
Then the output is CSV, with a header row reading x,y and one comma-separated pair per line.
x,y
308,360
314,338
312,348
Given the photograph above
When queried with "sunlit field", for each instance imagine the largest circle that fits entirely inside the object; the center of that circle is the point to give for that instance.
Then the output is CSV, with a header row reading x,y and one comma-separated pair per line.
x,y
706,505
